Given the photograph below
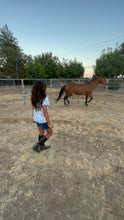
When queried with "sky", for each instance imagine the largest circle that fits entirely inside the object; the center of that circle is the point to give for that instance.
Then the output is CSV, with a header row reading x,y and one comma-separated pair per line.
x,y
70,29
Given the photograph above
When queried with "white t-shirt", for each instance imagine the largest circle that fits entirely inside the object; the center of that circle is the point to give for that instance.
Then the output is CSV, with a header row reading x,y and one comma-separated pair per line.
x,y
38,115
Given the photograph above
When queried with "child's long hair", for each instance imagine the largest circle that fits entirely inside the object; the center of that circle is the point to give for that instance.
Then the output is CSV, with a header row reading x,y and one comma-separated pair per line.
x,y
38,93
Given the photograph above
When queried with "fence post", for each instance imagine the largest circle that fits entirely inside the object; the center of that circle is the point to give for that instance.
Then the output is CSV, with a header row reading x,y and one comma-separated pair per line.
x,y
13,82
106,91
51,90
78,96
122,82
23,90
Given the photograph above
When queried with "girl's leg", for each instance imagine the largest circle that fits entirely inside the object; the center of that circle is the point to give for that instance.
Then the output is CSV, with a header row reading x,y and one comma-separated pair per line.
x,y
49,133
41,134
41,131
43,138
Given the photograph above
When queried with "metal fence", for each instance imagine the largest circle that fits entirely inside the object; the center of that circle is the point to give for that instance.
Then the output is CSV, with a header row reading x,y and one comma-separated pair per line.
x,y
20,89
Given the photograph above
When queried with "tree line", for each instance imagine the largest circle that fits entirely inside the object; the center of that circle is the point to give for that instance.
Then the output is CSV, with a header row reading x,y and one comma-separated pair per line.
x,y
15,64
111,62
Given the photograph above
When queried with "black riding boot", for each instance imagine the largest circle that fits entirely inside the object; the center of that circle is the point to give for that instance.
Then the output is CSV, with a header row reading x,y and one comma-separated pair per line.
x,y
40,136
42,140
40,144
36,147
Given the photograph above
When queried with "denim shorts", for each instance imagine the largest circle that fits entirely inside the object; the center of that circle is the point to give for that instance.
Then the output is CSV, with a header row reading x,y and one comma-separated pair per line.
x,y
43,125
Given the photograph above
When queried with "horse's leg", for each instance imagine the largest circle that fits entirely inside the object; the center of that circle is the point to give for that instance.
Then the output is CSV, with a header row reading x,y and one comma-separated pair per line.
x,y
66,99
86,101
90,99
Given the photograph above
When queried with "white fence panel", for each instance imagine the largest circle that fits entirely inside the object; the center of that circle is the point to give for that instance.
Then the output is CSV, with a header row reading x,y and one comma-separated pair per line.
x,y
20,89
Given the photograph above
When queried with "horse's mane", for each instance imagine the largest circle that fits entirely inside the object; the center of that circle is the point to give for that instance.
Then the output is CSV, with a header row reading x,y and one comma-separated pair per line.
x,y
95,77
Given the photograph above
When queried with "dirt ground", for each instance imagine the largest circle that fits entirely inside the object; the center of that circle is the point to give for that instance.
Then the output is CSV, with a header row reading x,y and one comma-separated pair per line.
x,y
81,177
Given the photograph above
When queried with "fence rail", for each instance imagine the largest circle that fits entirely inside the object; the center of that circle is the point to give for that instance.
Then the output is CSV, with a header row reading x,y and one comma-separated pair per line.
x,y
20,89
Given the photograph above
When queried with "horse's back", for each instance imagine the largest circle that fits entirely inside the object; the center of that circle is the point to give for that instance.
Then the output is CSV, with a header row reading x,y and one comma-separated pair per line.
x,y
75,88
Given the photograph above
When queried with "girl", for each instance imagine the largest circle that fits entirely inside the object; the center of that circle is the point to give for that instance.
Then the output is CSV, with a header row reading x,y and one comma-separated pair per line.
x,y
40,104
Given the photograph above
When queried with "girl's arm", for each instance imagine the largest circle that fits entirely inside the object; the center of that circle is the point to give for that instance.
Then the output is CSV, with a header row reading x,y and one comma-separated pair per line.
x,y
47,116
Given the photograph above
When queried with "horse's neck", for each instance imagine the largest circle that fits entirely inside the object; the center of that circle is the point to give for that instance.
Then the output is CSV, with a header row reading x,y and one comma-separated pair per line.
x,y
94,83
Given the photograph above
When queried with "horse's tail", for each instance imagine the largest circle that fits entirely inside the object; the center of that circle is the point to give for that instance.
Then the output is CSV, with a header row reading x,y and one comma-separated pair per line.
x,y
60,93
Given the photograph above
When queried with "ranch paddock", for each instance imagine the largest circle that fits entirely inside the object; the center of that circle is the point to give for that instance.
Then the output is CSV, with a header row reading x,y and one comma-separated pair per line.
x,y
81,177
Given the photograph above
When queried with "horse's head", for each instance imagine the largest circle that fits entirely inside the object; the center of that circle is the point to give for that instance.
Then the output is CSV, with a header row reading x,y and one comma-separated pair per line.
x,y
102,80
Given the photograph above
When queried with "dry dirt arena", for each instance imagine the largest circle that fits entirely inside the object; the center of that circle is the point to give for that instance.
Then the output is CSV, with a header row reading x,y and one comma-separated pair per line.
x,y
81,177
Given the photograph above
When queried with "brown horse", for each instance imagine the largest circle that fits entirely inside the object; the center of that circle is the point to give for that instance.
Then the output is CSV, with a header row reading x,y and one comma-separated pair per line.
x,y
81,89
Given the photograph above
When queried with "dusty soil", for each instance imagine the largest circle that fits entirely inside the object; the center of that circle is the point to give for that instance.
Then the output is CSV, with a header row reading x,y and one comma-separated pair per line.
x,y
81,177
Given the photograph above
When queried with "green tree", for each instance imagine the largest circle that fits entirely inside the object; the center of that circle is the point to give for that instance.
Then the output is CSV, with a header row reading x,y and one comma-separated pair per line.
x,y
72,69
122,48
111,63
11,56
122,58
35,70
50,63
49,66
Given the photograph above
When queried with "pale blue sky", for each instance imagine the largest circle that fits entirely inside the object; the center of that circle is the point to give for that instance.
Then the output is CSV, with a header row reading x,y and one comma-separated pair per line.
x,y
69,29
